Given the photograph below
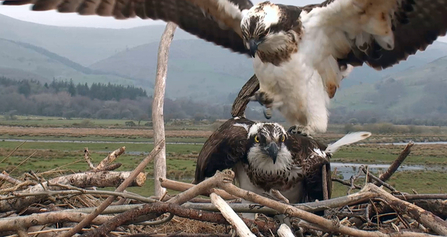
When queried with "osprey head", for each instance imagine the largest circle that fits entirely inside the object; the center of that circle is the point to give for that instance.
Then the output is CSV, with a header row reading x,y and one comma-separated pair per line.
x,y
266,139
256,24
266,25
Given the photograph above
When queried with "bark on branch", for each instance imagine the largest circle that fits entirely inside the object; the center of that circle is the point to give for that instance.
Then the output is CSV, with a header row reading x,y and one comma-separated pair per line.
x,y
157,105
21,200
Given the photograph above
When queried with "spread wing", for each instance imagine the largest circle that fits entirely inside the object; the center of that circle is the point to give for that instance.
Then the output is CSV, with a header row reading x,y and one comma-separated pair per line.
x,y
379,33
217,21
223,149
309,154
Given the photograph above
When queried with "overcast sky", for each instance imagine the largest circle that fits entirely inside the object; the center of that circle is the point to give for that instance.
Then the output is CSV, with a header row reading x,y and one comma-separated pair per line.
x,y
73,19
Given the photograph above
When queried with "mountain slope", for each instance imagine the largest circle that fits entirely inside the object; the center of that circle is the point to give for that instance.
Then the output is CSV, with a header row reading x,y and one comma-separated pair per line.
x,y
81,45
25,61
197,69
417,92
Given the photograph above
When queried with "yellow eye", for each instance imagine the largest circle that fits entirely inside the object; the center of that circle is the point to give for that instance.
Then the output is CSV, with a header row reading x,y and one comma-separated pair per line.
x,y
256,138
283,138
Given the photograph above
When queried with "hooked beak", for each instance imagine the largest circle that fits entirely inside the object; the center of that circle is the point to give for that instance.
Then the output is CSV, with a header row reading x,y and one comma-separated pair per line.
x,y
253,44
272,150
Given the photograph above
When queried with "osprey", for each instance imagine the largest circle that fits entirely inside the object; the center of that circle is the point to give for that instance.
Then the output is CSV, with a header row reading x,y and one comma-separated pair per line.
x,y
266,158
300,54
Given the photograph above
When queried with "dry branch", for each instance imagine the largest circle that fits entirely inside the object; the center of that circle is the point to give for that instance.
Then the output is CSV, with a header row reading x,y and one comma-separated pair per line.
x,y
242,99
158,147
426,218
88,159
22,199
231,216
396,164
12,223
181,186
109,159
327,225
285,231
9,179
157,105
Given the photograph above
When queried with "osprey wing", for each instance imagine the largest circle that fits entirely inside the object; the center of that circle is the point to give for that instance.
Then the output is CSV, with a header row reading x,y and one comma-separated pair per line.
x,y
380,33
217,21
309,154
223,149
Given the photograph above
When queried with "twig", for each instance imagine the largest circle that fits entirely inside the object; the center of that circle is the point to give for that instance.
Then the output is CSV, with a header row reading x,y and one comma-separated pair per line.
x,y
12,152
179,199
121,188
328,225
285,231
157,104
23,161
396,164
378,181
80,192
9,179
346,183
426,218
88,159
11,223
181,186
231,216
110,158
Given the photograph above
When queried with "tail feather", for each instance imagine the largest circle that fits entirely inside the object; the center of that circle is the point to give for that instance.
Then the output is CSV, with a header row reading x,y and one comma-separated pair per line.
x,y
346,140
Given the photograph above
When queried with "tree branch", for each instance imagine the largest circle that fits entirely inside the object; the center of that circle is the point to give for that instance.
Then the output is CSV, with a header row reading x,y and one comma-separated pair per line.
x,y
157,105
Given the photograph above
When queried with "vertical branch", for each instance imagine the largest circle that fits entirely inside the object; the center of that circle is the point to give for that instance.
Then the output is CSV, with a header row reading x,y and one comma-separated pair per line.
x,y
157,105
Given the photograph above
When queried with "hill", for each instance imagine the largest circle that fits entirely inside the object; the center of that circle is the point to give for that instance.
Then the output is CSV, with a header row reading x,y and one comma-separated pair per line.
x,y
416,93
197,69
20,60
81,44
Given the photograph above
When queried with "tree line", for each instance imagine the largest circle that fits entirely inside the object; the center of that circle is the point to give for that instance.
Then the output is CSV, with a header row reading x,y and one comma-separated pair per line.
x,y
102,101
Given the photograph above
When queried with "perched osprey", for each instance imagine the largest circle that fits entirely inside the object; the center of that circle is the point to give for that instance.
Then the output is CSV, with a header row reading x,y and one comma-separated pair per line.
x,y
300,53
265,157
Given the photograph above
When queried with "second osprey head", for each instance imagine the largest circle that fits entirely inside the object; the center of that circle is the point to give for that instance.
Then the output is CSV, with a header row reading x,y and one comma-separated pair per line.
x,y
266,141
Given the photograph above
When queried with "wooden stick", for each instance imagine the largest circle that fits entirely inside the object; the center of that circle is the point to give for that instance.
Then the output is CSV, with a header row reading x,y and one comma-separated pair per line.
x,y
425,217
285,231
181,186
11,223
160,145
326,224
80,180
88,159
110,158
4,176
396,164
231,216
157,105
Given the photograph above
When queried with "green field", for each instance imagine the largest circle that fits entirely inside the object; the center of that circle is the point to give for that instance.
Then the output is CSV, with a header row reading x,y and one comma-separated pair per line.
x,y
64,153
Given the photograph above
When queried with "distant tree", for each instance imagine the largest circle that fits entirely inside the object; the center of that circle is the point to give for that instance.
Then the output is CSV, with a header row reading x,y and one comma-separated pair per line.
x,y
24,88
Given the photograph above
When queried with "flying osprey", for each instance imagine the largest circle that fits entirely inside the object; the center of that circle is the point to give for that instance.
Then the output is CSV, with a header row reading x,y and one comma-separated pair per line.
x,y
265,158
300,53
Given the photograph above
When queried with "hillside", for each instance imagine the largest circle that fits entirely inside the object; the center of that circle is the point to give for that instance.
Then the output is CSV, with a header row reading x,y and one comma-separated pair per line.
x,y
20,60
197,69
81,45
418,92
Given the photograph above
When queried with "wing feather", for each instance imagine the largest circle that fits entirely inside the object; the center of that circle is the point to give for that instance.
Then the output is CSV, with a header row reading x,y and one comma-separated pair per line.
x,y
223,149
217,21
380,33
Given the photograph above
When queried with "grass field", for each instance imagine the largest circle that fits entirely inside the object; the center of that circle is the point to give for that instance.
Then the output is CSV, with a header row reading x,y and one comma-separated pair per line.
x,y
63,151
